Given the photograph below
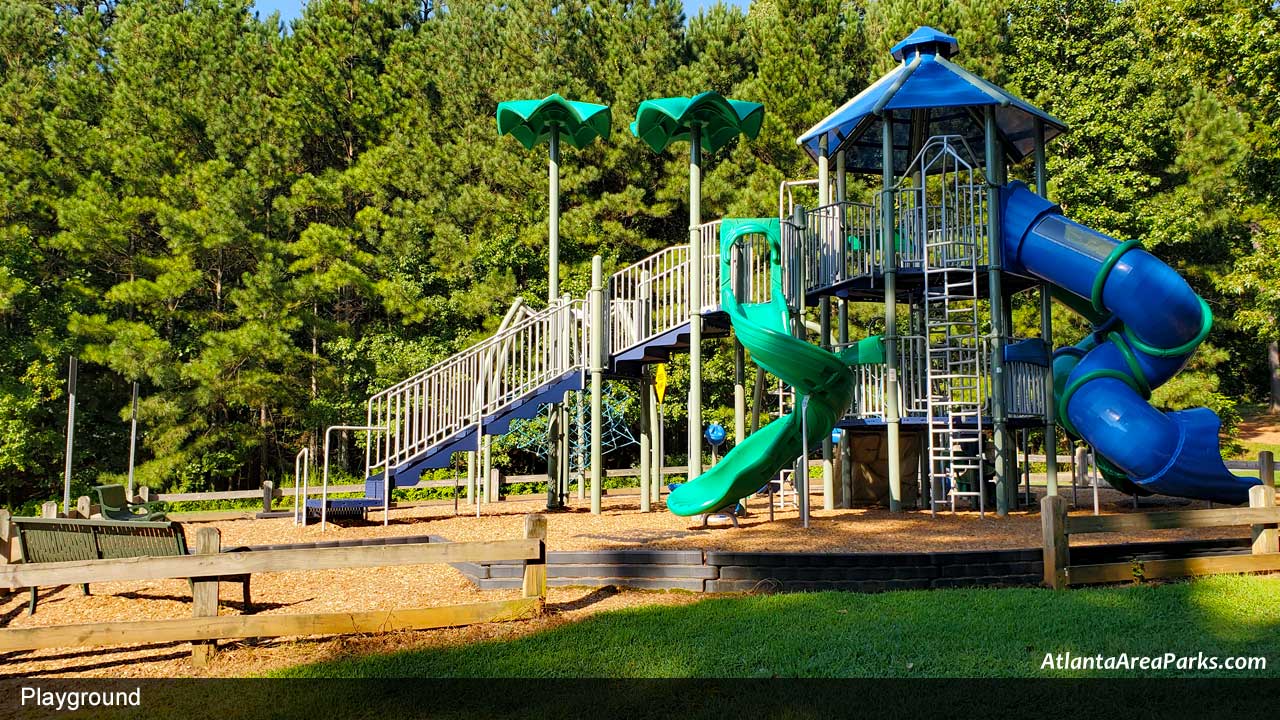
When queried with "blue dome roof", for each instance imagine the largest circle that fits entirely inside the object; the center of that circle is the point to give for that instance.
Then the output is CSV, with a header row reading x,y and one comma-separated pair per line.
x,y
942,96
929,40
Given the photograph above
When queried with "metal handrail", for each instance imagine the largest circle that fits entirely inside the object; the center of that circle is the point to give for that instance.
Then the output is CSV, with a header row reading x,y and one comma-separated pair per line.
x,y
300,480
445,399
324,488
652,296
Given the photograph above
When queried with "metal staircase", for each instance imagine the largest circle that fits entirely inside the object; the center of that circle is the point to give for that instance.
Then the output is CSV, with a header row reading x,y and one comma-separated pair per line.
x,y
649,305
422,420
943,212
418,423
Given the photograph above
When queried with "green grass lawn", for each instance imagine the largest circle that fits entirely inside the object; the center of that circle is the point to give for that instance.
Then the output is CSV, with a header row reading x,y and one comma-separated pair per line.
x,y
940,633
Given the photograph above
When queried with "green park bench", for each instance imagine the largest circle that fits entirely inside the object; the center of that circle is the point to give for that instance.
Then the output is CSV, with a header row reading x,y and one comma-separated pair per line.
x,y
44,540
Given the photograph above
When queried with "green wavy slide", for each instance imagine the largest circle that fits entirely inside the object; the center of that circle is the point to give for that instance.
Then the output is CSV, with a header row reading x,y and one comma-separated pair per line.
x,y
822,379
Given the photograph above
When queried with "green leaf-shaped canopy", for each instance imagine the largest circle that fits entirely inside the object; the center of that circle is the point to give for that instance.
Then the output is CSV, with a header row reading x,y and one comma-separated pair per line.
x,y
663,121
530,121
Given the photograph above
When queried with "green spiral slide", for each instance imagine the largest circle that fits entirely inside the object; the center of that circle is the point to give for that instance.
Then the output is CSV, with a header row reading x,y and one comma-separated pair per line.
x,y
822,379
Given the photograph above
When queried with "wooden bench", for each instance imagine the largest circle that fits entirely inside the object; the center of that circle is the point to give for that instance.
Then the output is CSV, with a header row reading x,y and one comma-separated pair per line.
x,y
45,540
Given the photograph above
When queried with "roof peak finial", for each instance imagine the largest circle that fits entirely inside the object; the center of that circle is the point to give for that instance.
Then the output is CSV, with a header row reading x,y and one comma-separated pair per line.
x,y
927,41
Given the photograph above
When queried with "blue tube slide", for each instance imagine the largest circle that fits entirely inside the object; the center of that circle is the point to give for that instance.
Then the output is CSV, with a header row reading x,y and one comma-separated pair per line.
x,y
1148,323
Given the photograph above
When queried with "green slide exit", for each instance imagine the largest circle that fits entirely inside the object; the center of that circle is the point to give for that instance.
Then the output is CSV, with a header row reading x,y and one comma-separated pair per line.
x,y
821,378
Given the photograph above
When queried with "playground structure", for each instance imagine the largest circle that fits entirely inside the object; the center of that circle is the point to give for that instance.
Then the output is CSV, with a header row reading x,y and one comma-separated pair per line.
x,y
946,235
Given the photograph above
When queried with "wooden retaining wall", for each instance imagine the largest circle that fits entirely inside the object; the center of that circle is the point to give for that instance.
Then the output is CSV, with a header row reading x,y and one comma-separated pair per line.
x,y
718,571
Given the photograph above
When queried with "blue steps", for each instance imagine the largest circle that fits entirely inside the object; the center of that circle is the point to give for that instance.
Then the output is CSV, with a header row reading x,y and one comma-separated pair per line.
x,y
439,455
630,362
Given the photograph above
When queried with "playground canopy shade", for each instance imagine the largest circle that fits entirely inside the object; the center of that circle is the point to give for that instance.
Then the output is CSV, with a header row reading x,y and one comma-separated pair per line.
x,y
663,121
943,99
530,121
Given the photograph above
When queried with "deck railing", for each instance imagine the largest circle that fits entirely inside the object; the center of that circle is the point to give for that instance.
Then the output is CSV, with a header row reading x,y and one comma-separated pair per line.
x,y
446,398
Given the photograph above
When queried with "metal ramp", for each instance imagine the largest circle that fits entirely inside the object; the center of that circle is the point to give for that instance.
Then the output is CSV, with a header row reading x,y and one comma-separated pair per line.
x,y
942,213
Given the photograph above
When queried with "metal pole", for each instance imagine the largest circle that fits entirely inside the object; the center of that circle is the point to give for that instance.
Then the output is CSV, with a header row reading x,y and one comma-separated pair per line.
x,y
471,478
556,456
1093,476
486,478
1077,473
994,162
580,415
757,398
824,306
1046,334
133,441
660,452
845,450
555,427
324,486
828,468
1026,463
739,354
597,379
803,487
800,471
72,372
695,303
646,440
887,225
553,224
300,471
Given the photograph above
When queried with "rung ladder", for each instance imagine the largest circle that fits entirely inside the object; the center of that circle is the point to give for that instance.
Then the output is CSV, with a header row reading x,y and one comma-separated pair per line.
x,y
945,209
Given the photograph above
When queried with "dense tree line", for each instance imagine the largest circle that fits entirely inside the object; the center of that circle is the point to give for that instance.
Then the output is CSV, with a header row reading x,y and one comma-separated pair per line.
x,y
262,224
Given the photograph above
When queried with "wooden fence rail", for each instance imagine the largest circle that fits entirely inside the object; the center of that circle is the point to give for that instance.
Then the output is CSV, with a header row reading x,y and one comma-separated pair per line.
x,y
1262,516
204,568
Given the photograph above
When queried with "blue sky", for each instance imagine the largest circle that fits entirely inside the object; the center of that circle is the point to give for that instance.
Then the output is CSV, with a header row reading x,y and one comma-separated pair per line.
x,y
289,9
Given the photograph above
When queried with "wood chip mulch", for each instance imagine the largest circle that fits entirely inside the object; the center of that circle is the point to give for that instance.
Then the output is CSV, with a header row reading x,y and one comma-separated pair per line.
x,y
620,526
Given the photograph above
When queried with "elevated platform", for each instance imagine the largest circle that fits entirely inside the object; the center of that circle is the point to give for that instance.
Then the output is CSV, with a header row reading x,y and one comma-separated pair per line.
x,y
910,284
629,363
343,507
916,423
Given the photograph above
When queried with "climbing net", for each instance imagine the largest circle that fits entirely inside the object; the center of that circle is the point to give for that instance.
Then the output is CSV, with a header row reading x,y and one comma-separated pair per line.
x,y
533,435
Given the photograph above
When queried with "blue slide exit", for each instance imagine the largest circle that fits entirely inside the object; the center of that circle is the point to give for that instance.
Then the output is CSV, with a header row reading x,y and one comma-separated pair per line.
x,y
1147,323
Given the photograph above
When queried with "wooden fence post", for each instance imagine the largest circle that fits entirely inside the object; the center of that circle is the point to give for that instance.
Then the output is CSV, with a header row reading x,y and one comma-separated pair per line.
x,y
1053,518
84,507
204,593
6,545
268,494
49,510
495,485
535,571
1264,536
6,538
144,494
1267,468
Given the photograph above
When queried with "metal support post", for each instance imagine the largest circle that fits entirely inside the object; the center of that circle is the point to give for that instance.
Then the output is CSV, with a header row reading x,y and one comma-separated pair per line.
x,y
695,303
597,379
999,331
887,225
1046,334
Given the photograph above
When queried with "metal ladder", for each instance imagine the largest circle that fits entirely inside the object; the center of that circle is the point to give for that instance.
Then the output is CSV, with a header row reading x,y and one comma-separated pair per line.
x,y
955,396
950,227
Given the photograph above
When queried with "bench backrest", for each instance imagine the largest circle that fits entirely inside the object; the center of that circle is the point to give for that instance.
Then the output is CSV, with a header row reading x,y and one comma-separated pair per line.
x,y
112,498
60,540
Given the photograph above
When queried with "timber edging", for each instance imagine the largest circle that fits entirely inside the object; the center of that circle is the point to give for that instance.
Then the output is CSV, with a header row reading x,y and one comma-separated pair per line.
x,y
726,571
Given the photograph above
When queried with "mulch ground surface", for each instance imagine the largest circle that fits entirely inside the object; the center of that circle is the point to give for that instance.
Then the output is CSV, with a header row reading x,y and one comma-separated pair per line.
x,y
620,526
